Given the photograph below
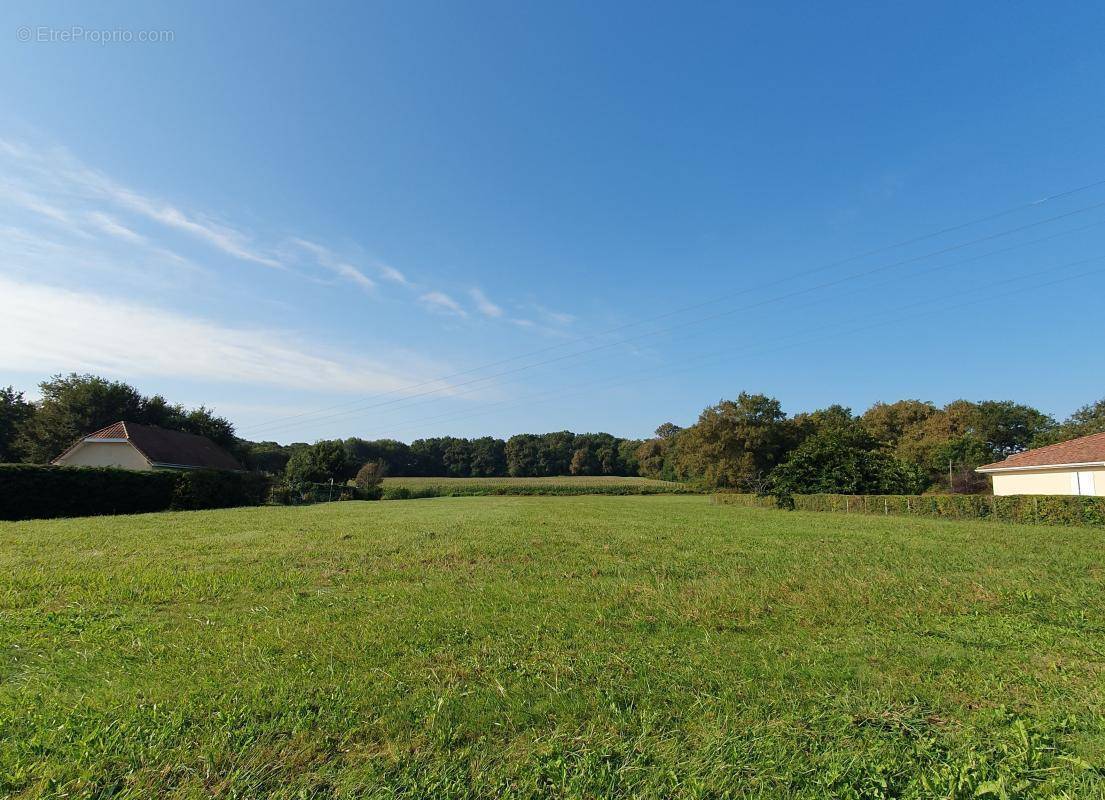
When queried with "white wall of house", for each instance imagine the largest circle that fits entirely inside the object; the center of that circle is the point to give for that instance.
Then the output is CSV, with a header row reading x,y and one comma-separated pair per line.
x,y
1050,481
105,454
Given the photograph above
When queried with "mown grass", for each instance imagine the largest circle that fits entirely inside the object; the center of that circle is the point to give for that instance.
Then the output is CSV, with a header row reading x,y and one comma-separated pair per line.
x,y
549,647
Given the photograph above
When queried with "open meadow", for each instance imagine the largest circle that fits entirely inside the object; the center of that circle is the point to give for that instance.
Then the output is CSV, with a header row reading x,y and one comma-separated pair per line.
x,y
526,647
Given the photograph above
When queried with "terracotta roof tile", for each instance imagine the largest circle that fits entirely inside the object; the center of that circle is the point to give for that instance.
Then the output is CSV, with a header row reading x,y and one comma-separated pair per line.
x,y
165,447
1085,450
117,430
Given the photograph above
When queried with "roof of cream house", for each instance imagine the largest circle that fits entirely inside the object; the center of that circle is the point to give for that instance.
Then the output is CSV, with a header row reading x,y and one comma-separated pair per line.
x,y
1084,451
162,447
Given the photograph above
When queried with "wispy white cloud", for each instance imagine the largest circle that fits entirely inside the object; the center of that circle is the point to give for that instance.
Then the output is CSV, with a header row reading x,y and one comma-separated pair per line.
x,y
49,328
439,301
60,201
390,273
329,260
24,199
486,307
112,226
225,238
559,317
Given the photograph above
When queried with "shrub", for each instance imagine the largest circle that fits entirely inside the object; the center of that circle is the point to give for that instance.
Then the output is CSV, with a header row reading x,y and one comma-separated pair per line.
x,y
371,474
288,493
1028,509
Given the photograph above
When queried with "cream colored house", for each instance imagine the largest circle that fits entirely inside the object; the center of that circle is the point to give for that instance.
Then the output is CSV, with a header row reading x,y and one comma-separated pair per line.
x,y
1074,467
128,445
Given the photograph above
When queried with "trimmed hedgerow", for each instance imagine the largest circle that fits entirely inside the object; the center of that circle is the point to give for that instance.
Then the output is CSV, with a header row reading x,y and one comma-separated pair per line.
x,y
1030,509
34,491
204,488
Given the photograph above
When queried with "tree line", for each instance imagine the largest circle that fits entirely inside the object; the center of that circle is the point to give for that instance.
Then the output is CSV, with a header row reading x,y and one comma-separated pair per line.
x,y
904,447
748,443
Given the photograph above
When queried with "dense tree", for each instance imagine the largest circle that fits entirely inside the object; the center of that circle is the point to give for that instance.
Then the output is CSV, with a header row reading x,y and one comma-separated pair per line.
x,y
627,456
268,457
540,455
1087,420
888,422
15,415
734,443
651,455
964,435
73,405
397,455
1007,427
844,459
488,457
667,430
319,463
584,462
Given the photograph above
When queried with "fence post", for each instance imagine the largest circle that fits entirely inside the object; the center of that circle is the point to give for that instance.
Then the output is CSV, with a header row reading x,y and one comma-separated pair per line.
x,y
885,506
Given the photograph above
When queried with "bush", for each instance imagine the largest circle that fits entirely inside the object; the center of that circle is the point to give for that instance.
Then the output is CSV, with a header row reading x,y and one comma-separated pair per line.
x,y
301,493
371,474
33,491
1028,509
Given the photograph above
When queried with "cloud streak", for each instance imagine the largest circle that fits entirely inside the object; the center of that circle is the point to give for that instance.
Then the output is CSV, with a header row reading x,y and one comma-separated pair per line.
x,y
73,220
441,302
56,329
486,307
329,260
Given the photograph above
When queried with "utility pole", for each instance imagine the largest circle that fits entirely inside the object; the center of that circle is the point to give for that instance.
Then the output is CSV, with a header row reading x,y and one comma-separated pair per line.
x,y
330,497
951,485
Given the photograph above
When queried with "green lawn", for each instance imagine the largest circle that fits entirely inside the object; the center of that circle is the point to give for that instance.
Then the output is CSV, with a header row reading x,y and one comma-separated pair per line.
x,y
549,647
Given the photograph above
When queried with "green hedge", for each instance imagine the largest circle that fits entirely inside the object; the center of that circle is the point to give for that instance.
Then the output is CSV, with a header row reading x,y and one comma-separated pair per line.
x,y
1030,509
203,488
33,491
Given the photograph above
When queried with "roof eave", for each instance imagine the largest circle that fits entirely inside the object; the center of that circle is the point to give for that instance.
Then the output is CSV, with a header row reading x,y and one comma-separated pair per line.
x,y
990,469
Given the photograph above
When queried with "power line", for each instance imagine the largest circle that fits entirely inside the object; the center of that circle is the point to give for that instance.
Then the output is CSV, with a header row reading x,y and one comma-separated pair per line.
x,y
695,306
728,355
708,318
929,271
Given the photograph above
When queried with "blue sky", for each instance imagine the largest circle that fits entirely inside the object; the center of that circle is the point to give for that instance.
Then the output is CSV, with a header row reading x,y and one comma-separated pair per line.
x,y
325,221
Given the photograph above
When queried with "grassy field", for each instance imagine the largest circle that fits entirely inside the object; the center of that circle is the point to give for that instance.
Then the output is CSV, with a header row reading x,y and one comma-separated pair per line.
x,y
646,647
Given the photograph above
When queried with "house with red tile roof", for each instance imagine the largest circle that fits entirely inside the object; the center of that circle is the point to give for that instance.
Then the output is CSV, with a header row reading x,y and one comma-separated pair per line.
x,y
1074,467
129,445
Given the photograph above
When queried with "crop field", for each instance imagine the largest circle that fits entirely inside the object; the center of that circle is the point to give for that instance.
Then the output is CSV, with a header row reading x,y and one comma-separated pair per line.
x,y
532,647
577,484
